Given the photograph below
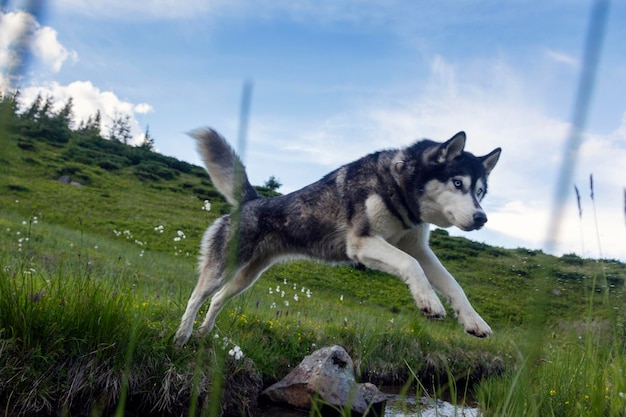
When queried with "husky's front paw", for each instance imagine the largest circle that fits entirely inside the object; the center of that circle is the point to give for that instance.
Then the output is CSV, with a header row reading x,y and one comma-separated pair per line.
x,y
182,337
432,307
475,325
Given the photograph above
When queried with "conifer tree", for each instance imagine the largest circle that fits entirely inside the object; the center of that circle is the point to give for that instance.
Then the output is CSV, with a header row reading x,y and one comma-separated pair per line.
x,y
148,140
9,106
91,126
33,110
65,115
120,129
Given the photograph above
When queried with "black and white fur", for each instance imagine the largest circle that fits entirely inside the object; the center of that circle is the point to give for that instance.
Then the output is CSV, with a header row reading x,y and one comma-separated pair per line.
x,y
375,211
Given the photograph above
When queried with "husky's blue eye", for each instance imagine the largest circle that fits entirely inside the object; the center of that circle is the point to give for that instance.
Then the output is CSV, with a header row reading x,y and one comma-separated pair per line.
x,y
458,184
479,192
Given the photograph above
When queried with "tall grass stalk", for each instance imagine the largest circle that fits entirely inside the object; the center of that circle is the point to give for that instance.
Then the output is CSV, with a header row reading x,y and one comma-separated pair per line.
x,y
595,215
580,221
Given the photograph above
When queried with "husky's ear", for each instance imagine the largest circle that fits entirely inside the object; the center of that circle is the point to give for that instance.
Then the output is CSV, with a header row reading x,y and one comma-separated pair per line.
x,y
449,150
396,168
489,161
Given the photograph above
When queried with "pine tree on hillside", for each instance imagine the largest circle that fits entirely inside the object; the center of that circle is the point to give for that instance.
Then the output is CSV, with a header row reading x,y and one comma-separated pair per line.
x,y
92,126
120,129
45,111
9,100
148,140
66,114
272,184
9,107
33,110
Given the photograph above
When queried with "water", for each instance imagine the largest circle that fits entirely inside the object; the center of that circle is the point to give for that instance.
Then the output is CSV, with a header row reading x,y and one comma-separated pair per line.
x,y
401,406
397,406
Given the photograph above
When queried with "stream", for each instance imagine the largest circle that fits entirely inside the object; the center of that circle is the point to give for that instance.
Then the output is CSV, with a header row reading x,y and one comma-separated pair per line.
x,y
397,406
402,406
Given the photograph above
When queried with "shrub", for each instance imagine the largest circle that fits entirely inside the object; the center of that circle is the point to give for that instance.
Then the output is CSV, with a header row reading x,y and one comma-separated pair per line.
x,y
28,144
572,259
154,171
17,187
108,165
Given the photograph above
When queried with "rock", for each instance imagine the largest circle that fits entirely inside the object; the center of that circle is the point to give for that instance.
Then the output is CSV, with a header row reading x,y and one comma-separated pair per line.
x,y
66,179
327,377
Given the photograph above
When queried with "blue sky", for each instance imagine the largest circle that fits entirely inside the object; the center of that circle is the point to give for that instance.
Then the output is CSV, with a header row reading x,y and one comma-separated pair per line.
x,y
335,80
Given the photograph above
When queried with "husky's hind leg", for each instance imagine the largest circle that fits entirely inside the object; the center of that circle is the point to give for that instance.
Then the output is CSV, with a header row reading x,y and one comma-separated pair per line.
x,y
208,283
243,279
211,276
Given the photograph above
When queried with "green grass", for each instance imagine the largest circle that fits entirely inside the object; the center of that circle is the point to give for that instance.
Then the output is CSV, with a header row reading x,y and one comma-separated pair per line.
x,y
75,306
91,293
575,374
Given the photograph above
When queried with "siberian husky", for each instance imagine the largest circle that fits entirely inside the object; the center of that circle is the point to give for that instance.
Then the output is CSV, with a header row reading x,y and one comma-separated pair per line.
x,y
375,211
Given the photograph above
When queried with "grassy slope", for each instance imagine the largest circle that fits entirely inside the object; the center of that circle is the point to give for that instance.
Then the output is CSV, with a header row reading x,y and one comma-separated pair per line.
x,y
137,284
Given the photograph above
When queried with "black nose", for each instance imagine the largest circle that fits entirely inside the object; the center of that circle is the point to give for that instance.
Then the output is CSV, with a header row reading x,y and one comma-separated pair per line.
x,y
480,218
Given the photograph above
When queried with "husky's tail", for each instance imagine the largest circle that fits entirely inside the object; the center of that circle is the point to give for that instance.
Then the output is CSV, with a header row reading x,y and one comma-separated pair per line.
x,y
224,166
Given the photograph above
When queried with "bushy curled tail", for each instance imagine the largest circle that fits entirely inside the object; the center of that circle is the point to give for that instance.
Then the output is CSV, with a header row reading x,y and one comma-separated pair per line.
x,y
224,166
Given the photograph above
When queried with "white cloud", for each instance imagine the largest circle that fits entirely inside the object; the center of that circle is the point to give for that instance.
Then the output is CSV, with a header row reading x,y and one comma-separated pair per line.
x,y
47,47
561,57
89,99
143,108
20,28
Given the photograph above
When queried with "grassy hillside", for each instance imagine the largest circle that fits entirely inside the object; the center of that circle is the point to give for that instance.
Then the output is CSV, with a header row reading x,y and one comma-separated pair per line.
x,y
94,278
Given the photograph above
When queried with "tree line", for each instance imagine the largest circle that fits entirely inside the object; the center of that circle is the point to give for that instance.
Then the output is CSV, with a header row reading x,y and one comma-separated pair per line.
x,y
40,120
85,142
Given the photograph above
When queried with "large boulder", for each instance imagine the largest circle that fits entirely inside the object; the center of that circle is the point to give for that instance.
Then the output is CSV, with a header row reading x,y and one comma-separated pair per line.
x,y
326,377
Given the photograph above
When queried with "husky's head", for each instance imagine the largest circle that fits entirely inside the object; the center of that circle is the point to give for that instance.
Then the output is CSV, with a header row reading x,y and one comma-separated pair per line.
x,y
448,183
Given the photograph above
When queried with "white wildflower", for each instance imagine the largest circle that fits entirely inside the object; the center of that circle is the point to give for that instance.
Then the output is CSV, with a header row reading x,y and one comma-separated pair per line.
x,y
236,352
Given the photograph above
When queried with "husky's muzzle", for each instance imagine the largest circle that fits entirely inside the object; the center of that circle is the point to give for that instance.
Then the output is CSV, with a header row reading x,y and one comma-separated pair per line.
x,y
480,218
